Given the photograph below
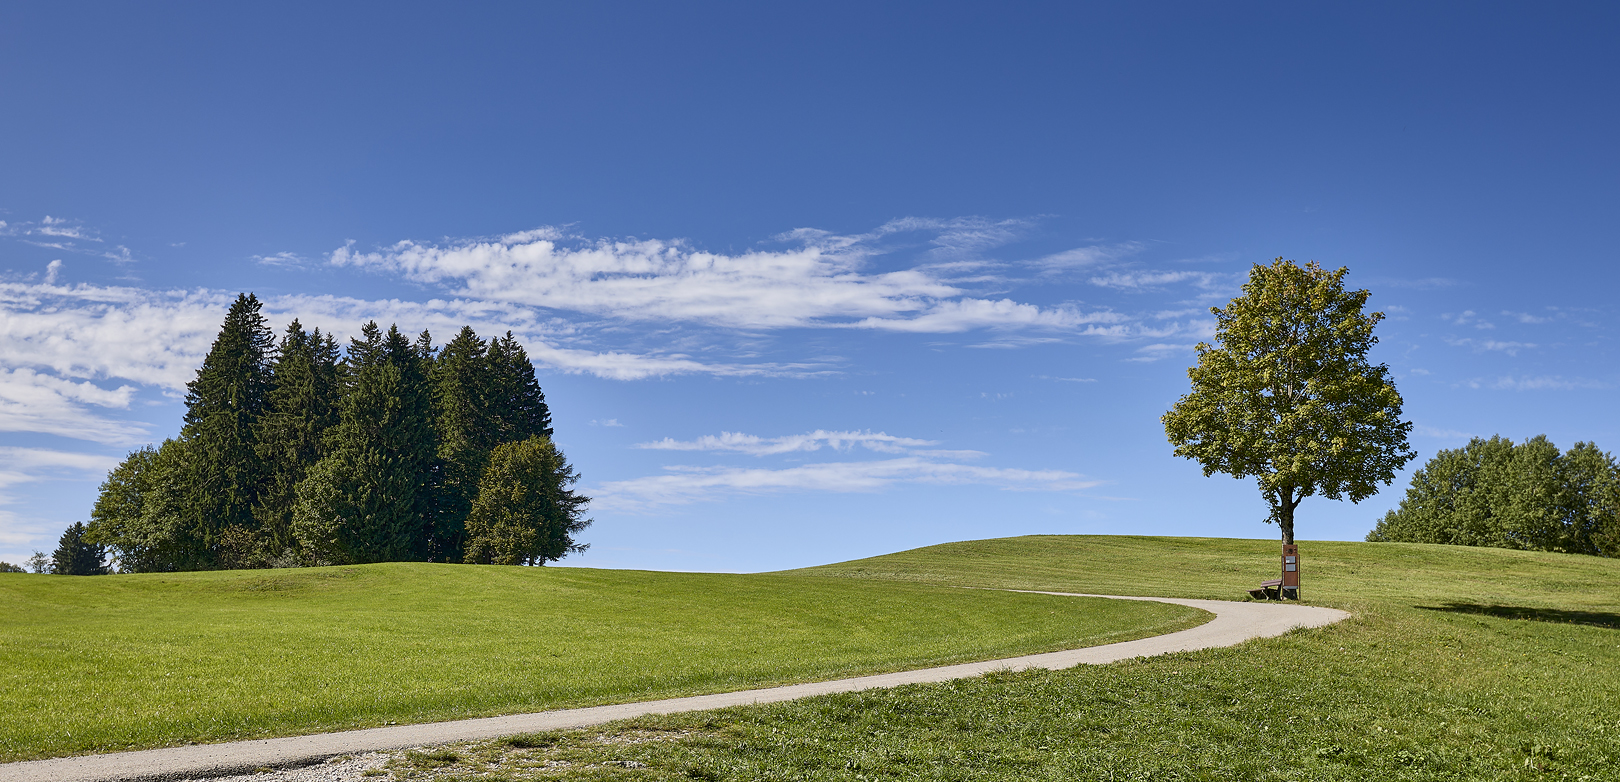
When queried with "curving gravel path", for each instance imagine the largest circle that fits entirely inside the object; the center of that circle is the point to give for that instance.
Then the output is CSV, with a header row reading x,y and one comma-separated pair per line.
x,y
1233,624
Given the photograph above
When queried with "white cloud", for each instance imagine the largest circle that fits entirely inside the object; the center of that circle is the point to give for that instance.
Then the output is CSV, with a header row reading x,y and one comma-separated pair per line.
x,y
52,270
1427,283
285,260
1481,346
1468,318
61,228
1156,351
160,337
754,445
1082,257
692,484
1423,430
23,465
149,337
966,314
1144,281
34,402
823,282
1542,383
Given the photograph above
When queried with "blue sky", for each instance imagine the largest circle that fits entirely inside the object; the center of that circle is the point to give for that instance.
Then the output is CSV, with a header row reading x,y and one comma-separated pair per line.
x,y
811,282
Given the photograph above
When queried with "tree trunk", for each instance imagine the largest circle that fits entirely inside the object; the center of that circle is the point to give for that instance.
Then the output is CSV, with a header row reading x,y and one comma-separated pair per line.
x,y
1286,518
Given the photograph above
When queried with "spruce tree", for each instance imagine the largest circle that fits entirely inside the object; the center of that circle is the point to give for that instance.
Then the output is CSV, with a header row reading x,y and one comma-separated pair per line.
x,y
370,500
516,402
75,556
301,406
223,406
461,389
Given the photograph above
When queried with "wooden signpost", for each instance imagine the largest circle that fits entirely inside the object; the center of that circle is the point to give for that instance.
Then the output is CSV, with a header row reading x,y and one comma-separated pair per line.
x,y
1287,587
1290,571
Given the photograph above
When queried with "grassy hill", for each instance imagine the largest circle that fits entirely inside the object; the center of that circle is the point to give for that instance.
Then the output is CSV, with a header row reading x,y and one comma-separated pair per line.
x,y
1459,664
118,662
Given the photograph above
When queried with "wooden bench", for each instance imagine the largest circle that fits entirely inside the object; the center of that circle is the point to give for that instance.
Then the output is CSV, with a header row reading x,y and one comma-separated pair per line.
x,y
1269,590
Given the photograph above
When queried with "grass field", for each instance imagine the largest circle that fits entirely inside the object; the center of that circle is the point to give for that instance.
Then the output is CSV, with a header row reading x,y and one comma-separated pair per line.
x,y
1459,664
118,662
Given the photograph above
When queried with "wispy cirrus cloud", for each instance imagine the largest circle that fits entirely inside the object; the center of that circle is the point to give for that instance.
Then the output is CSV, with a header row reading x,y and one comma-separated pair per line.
x,y
57,228
34,402
158,338
1143,281
1424,430
1159,350
1540,383
68,235
284,260
1467,318
24,465
827,280
754,445
1491,345
685,485
1085,257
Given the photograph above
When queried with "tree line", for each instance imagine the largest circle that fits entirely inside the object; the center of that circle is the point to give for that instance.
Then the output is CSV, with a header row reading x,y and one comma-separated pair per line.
x,y
298,453
1525,496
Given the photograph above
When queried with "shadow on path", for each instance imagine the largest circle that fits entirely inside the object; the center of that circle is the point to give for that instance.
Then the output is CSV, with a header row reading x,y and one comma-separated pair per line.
x,y
1556,615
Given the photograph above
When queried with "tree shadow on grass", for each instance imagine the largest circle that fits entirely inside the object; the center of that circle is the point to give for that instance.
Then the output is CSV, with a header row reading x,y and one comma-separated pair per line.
x,y
1558,615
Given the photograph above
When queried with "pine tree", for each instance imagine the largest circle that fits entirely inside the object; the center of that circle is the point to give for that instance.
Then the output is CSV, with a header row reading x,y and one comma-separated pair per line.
x,y
223,406
75,556
461,386
525,513
301,406
516,402
370,500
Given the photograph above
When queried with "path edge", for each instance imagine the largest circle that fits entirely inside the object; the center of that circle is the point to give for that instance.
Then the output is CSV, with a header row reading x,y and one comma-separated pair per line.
x,y
1233,623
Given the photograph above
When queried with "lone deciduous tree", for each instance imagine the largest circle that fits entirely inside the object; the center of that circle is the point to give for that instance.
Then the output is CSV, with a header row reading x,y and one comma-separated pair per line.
x,y
1286,394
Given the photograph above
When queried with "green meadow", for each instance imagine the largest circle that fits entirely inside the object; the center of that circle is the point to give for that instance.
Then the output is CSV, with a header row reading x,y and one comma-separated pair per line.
x,y
1458,664
105,663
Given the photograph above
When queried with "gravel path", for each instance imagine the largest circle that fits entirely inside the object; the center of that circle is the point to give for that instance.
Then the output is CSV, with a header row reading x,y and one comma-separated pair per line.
x,y
303,758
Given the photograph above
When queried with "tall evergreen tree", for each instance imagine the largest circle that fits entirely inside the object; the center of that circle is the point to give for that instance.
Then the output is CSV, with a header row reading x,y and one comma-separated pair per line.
x,y
301,406
370,500
223,406
461,379
516,402
75,556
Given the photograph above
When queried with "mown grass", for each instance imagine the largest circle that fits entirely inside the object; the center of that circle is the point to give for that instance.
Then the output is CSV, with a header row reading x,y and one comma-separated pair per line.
x,y
121,662
1459,664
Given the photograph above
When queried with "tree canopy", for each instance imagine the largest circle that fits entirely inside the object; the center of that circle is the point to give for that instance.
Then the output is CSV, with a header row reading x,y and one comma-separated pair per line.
x,y
1287,395
299,453
1527,496
525,513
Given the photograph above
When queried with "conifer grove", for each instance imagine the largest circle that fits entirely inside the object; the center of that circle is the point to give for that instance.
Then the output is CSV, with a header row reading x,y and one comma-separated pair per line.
x,y
298,452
